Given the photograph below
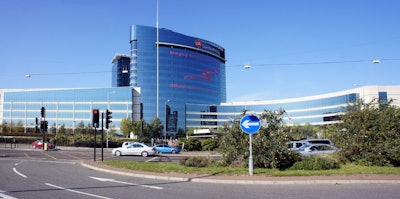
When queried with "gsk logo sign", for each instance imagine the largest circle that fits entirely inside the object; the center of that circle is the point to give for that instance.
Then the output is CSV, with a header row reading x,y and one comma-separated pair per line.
x,y
197,43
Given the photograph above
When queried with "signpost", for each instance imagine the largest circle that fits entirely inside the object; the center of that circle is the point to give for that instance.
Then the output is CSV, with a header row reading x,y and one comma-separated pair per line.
x,y
250,124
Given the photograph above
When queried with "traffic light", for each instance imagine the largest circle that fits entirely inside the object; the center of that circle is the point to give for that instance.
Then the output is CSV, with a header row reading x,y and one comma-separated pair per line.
x,y
95,117
37,124
42,125
46,125
43,112
108,117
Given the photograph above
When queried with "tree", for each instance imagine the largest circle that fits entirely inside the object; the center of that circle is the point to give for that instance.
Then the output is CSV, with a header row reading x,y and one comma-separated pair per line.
x,y
139,129
155,128
269,144
19,127
233,145
369,134
80,128
62,129
126,126
180,133
53,128
298,132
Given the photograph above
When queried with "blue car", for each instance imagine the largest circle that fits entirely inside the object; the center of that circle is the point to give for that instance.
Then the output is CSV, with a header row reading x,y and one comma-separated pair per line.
x,y
165,148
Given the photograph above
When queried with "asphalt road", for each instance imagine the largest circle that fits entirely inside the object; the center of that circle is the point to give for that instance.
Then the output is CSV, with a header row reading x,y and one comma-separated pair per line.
x,y
27,173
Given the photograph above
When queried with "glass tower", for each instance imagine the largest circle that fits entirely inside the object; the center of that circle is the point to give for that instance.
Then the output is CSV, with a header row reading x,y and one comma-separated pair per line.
x,y
190,70
120,70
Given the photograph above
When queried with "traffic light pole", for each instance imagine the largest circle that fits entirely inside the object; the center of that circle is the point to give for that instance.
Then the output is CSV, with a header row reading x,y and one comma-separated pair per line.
x,y
43,128
95,123
94,147
108,121
102,136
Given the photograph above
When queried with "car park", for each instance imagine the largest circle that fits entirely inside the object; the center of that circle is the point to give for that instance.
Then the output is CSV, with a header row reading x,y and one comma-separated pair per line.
x,y
317,149
165,148
135,149
38,144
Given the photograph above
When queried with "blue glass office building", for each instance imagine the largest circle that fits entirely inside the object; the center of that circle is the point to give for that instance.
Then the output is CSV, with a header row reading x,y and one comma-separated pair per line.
x,y
315,110
121,70
190,70
68,107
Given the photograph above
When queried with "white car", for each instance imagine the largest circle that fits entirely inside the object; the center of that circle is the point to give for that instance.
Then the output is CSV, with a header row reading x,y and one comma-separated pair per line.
x,y
295,145
317,149
135,149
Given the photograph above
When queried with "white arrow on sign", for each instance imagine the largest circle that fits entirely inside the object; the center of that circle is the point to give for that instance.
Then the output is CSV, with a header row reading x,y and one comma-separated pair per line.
x,y
247,124
121,182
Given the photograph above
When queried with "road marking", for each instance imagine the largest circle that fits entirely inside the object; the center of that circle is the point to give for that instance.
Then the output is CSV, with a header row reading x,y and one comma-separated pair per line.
x,y
15,170
49,155
2,195
16,164
27,155
72,156
128,183
74,191
155,158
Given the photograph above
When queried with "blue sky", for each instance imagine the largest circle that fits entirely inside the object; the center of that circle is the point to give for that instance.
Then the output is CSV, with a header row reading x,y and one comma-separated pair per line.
x,y
296,48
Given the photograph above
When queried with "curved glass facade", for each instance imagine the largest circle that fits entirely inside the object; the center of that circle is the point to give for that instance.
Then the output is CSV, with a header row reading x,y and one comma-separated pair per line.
x,y
314,110
190,70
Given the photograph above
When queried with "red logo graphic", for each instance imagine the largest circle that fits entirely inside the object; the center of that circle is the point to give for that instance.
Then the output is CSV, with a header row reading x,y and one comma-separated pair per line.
x,y
197,43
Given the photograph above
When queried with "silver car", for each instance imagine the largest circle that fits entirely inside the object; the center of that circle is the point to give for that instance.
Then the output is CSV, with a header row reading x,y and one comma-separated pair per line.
x,y
135,149
317,149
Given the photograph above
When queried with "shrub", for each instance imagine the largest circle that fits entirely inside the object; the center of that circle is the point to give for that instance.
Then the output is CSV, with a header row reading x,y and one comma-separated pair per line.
x,y
196,161
209,144
315,163
193,144
60,139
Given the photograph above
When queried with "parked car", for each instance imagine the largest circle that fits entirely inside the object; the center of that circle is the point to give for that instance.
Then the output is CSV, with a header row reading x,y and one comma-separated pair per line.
x,y
165,148
295,145
317,149
126,144
135,149
38,144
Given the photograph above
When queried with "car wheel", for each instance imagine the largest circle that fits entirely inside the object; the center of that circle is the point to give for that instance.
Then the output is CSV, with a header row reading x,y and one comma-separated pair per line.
x,y
173,151
118,153
145,154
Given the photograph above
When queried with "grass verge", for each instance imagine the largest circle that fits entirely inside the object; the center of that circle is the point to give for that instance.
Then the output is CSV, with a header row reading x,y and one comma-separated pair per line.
x,y
173,167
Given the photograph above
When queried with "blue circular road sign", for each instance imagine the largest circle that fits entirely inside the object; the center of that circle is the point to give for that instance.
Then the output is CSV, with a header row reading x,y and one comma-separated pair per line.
x,y
250,124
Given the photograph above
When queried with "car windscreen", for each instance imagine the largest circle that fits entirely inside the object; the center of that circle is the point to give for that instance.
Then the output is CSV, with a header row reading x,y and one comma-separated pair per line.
x,y
303,147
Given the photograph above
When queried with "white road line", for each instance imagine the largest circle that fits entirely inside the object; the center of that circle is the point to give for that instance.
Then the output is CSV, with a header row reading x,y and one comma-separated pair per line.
x,y
15,170
74,191
2,195
121,182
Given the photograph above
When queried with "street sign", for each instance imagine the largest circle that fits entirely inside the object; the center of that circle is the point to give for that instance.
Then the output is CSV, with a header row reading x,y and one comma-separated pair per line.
x,y
250,124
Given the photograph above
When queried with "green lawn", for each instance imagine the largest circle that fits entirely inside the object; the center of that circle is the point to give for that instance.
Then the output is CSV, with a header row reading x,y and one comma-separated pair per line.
x,y
172,167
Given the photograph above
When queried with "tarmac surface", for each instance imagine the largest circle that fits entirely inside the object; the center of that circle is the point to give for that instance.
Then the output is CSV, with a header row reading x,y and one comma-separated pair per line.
x,y
247,179
237,179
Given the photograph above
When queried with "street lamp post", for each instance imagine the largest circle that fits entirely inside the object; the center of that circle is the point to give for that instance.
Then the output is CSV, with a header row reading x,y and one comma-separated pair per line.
x,y
157,64
108,108
166,120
